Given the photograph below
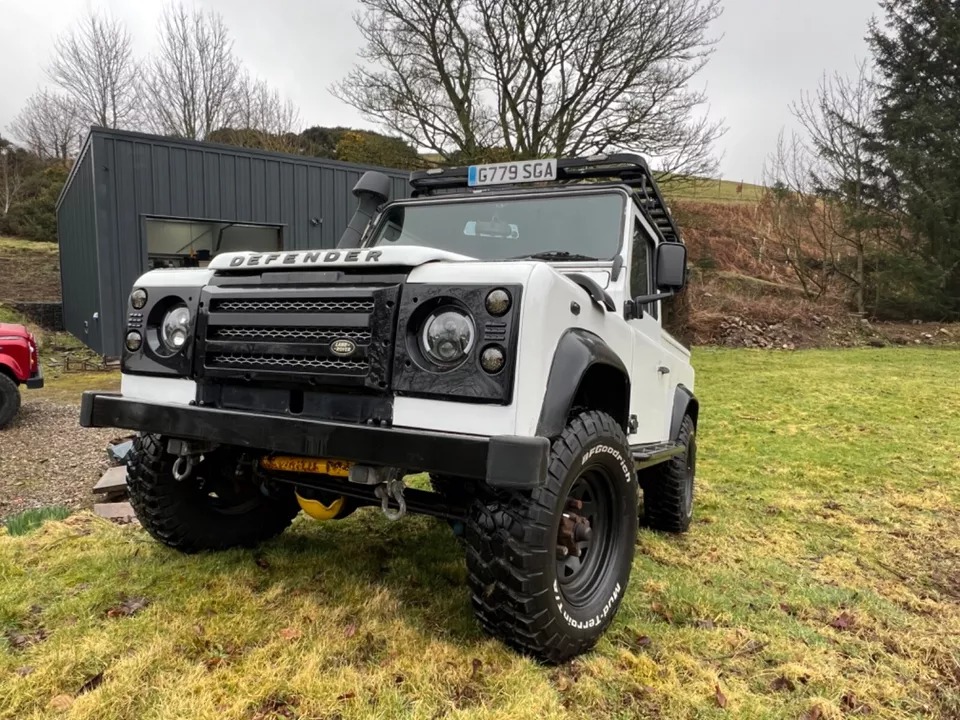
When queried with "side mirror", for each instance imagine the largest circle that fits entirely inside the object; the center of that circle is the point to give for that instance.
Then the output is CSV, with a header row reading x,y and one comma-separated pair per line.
x,y
671,264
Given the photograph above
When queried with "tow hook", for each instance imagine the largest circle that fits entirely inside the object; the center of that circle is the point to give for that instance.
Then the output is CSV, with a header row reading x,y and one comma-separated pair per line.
x,y
392,490
188,454
389,486
182,467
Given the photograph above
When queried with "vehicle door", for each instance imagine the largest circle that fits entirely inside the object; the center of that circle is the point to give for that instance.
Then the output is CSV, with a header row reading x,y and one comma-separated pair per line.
x,y
648,377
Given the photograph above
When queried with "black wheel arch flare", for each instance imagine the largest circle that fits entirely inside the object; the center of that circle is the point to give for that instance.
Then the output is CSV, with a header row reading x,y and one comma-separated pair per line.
x,y
578,353
684,403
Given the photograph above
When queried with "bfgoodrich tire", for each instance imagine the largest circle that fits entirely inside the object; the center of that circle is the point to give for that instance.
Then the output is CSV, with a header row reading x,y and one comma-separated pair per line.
x,y
218,506
668,487
9,400
526,590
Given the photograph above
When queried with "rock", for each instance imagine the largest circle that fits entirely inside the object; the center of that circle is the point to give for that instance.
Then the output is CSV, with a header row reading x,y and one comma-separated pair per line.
x,y
944,331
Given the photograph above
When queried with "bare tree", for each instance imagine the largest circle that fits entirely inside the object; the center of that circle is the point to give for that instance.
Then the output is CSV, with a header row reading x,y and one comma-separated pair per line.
x,y
95,66
191,83
795,222
827,169
838,121
49,126
11,179
259,107
539,77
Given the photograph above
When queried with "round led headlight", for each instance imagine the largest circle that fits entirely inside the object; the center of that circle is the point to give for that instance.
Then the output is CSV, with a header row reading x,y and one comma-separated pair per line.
x,y
447,336
498,302
138,298
133,341
175,328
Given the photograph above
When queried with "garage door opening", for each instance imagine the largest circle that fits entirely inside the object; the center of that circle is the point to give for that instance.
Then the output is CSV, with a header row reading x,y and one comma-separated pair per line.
x,y
193,243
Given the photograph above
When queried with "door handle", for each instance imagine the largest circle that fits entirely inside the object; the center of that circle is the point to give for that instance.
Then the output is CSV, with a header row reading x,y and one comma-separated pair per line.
x,y
663,370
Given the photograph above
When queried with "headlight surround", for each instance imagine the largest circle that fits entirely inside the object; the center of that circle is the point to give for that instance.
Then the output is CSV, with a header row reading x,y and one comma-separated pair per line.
x,y
175,328
447,336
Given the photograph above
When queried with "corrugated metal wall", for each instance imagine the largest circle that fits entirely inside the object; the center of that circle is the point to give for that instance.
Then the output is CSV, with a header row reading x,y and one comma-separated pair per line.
x,y
138,176
79,274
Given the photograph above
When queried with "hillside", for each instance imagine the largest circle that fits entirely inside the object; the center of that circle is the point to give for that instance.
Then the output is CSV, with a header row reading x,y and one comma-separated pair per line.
x,y
30,270
713,191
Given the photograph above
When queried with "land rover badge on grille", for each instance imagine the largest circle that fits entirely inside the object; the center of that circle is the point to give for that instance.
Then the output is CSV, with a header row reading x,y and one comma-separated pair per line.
x,y
343,348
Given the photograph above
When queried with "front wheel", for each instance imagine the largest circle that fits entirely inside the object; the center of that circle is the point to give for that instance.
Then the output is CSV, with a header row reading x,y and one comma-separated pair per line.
x,y
548,569
9,400
219,506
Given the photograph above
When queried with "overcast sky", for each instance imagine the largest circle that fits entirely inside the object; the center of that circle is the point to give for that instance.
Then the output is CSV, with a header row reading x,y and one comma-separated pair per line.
x,y
770,51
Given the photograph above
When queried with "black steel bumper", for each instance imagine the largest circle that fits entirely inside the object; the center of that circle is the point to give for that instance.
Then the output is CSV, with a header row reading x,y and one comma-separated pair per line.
x,y
35,381
500,460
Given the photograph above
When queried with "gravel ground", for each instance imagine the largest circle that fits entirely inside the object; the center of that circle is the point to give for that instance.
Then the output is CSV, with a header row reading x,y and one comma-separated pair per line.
x,y
46,458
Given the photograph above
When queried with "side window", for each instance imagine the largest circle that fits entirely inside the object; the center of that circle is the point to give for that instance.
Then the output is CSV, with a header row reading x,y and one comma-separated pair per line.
x,y
641,272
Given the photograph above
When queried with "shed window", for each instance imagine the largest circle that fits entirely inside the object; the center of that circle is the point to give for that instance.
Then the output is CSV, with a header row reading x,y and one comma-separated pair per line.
x,y
192,243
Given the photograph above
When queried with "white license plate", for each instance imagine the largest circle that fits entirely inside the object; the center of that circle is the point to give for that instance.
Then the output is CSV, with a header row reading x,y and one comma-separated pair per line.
x,y
521,171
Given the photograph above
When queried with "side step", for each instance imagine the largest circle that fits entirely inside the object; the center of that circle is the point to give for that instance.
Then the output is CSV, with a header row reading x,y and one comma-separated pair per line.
x,y
650,454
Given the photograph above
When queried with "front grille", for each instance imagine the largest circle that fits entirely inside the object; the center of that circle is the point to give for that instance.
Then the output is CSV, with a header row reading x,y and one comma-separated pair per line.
x,y
344,305
294,334
284,362
328,336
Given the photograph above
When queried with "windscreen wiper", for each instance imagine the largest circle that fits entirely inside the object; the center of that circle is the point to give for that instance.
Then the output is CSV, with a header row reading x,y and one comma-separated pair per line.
x,y
554,255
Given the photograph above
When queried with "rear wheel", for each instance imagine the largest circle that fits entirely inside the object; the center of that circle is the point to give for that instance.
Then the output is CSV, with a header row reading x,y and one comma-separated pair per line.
x,y
220,505
668,487
9,400
549,568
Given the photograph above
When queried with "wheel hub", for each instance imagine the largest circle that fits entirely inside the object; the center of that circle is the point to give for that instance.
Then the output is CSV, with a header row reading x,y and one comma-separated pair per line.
x,y
585,536
573,537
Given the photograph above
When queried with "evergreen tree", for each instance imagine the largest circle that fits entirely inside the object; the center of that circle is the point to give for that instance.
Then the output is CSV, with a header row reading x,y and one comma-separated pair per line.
x,y
917,54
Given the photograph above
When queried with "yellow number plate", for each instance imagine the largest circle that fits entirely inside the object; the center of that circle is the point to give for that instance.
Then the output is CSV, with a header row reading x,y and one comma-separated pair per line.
x,y
320,466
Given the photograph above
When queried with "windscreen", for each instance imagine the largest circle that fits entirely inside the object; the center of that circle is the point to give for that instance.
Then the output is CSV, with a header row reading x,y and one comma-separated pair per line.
x,y
499,228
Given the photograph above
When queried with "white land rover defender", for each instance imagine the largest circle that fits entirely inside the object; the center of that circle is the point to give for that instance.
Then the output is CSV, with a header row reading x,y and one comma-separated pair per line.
x,y
500,330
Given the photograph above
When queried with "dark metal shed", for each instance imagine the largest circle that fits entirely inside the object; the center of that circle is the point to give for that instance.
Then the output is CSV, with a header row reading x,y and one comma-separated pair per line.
x,y
135,201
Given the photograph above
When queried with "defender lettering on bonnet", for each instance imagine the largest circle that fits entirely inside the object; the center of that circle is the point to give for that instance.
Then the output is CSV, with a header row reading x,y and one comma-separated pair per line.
x,y
312,257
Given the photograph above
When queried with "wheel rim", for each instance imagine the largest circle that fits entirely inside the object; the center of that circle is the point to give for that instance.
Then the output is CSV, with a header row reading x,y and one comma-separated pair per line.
x,y
579,577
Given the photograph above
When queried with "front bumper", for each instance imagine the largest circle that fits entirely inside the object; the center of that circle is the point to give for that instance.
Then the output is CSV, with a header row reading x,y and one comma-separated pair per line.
x,y
35,381
507,461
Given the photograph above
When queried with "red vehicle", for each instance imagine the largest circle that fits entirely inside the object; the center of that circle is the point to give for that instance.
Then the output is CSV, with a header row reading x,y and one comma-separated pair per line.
x,y
19,365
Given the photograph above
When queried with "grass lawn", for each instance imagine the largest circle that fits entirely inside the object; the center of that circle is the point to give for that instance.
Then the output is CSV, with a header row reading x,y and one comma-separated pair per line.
x,y
821,579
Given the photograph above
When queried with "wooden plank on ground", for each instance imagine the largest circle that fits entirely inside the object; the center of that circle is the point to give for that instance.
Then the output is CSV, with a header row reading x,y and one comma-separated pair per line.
x,y
115,511
113,480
